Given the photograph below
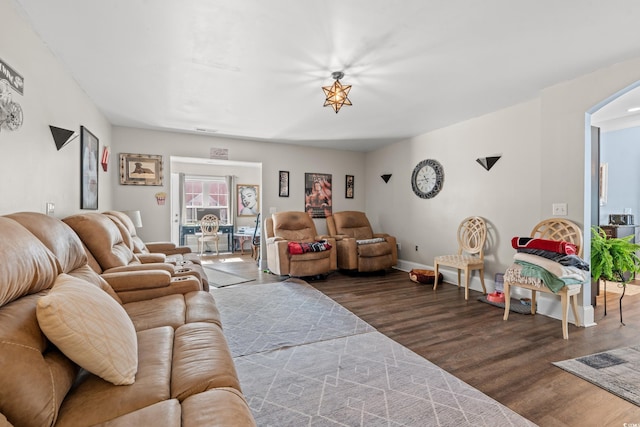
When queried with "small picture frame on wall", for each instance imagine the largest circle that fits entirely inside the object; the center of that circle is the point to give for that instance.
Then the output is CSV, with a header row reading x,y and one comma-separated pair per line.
x,y
89,169
283,183
140,169
348,187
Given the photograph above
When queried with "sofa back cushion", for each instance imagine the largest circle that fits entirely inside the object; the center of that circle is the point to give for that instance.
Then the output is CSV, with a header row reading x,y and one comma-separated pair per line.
x,y
103,239
129,231
27,265
296,226
34,375
57,236
353,224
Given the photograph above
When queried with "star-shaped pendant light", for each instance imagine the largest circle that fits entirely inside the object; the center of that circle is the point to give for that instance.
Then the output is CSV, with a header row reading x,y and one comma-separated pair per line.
x,y
337,93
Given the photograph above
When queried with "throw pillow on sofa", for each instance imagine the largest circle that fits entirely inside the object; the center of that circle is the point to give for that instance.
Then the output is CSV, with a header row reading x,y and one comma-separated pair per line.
x,y
90,328
297,248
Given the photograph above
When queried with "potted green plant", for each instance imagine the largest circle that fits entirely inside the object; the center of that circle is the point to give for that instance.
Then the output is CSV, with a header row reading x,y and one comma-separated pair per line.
x,y
613,259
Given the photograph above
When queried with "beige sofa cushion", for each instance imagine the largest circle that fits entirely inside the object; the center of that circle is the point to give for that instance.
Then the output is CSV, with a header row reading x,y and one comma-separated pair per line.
x,y
90,328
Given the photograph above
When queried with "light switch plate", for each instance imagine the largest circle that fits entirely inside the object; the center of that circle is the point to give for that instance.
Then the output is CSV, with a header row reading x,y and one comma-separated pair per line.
x,y
50,208
559,209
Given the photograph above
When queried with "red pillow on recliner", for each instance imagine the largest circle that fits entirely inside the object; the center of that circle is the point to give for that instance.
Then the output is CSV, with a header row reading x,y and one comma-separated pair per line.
x,y
297,248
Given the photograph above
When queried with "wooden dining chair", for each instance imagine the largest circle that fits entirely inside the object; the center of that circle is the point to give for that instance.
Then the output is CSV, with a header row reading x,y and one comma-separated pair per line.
x,y
472,235
209,227
551,229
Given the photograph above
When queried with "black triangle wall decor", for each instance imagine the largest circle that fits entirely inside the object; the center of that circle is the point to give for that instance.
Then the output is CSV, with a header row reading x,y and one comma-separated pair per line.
x,y
488,162
61,136
386,177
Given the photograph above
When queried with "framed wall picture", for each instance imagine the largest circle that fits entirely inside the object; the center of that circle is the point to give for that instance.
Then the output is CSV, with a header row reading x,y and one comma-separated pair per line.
x,y
283,183
317,198
348,186
88,169
248,199
140,169
604,177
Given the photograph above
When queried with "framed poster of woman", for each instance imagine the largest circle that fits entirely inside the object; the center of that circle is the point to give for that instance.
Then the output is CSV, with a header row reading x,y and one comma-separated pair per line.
x,y
248,201
317,199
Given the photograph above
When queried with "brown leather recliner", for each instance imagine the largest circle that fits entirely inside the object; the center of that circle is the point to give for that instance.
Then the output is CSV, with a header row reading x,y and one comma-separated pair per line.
x,y
104,242
172,252
297,227
359,248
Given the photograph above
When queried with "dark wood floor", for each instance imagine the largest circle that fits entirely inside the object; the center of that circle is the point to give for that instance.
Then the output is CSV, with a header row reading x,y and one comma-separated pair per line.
x,y
509,361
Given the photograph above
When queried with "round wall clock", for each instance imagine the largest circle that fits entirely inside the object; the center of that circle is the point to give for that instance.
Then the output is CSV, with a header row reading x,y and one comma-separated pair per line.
x,y
427,178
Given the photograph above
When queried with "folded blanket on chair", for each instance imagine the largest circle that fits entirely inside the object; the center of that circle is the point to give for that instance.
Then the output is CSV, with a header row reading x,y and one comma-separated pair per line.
x,y
564,259
559,246
553,274
297,248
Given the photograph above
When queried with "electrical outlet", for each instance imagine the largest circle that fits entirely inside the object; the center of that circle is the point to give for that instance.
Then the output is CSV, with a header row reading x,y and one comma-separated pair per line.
x,y
559,209
398,245
50,208
416,248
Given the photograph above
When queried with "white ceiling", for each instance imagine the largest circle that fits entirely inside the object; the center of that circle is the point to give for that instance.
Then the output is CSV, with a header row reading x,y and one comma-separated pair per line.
x,y
254,68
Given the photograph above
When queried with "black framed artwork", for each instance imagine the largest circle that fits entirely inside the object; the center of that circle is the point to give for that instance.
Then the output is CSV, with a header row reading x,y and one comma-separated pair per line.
x,y
88,169
283,183
348,186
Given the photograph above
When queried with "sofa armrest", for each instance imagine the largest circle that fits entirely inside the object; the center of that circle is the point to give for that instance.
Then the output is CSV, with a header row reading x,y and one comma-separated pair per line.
x,y
135,280
393,242
154,257
278,255
142,267
347,253
167,248
384,235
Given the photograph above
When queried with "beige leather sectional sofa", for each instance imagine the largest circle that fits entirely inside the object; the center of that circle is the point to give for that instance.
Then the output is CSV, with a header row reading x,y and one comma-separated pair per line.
x,y
72,353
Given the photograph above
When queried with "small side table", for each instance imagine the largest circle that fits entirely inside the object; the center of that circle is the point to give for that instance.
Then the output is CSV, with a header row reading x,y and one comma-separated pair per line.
x,y
242,238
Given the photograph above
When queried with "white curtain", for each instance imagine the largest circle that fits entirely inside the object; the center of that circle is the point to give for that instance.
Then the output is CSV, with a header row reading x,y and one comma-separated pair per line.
x,y
183,209
231,185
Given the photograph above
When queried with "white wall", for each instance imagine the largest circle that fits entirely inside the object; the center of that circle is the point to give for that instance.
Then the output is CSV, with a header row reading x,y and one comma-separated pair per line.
x,y
32,171
273,157
621,150
546,159
507,196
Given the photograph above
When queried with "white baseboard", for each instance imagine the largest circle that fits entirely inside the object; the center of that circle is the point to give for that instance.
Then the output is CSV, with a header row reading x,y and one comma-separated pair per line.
x,y
548,305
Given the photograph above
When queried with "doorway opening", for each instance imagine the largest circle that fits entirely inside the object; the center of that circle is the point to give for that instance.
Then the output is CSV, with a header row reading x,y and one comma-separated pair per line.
x,y
200,186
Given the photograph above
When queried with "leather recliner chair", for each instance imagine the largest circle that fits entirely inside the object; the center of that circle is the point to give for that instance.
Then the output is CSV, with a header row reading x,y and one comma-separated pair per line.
x,y
296,227
172,253
104,243
359,248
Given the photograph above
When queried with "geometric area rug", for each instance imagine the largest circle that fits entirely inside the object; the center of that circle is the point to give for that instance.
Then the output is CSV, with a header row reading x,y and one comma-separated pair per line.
x,y
219,279
304,360
617,371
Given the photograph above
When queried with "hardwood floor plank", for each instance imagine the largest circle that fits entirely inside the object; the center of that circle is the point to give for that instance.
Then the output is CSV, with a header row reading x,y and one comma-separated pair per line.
x,y
507,360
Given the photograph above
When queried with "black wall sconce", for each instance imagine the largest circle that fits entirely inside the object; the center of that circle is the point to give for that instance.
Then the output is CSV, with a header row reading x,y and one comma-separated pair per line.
x,y
62,136
488,162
